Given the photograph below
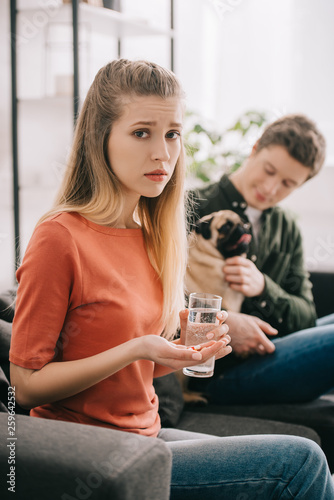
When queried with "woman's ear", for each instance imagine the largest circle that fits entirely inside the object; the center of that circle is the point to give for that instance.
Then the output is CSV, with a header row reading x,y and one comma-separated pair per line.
x,y
254,148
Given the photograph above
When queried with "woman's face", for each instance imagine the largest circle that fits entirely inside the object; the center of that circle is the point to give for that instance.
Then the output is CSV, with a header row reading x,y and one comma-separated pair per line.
x,y
145,143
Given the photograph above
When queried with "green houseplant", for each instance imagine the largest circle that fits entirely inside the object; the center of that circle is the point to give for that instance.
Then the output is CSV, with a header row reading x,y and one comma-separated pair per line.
x,y
211,153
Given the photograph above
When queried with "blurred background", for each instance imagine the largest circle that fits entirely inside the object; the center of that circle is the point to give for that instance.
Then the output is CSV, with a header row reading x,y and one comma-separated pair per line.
x,y
241,62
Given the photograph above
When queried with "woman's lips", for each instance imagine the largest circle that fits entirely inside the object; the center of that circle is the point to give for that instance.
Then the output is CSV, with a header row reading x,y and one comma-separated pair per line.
x,y
157,175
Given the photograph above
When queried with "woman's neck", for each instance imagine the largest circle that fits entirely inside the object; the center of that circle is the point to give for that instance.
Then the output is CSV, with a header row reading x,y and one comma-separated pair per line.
x,y
127,218
130,224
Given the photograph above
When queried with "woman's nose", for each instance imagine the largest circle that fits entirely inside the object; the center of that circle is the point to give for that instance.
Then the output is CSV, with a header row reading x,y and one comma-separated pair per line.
x,y
160,151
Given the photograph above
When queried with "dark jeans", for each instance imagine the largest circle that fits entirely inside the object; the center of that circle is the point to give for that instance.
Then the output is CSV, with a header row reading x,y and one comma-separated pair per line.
x,y
300,369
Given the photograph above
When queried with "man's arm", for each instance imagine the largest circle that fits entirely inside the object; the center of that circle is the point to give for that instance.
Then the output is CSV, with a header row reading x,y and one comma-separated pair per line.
x,y
283,310
286,301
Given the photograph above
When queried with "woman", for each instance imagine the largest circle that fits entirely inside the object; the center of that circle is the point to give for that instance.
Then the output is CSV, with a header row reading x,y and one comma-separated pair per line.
x,y
105,268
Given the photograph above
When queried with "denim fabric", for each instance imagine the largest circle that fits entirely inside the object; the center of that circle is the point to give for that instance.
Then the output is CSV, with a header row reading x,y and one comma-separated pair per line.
x,y
246,467
326,320
300,370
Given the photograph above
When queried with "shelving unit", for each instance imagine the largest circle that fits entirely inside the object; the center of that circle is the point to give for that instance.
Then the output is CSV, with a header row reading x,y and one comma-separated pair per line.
x,y
103,20
98,21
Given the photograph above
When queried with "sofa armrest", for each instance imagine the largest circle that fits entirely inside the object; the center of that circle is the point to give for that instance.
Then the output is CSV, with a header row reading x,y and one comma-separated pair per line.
x,y
66,461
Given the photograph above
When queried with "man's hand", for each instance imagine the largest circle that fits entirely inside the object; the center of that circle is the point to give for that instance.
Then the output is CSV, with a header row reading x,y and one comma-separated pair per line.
x,y
243,276
248,334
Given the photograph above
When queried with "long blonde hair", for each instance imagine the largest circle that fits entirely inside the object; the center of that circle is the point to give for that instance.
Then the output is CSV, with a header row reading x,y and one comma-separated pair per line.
x,y
91,188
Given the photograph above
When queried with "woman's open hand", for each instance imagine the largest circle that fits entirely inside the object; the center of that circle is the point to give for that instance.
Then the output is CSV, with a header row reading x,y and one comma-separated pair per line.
x,y
177,356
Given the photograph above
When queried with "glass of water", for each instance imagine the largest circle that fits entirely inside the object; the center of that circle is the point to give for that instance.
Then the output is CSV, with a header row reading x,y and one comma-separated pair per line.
x,y
203,308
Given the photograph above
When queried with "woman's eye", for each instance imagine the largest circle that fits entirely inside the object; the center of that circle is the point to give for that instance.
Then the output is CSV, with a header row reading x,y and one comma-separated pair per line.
x,y
173,135
142,134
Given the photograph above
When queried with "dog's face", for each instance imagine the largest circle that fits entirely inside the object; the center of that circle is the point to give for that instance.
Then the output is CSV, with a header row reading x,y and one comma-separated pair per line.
x,y
226,231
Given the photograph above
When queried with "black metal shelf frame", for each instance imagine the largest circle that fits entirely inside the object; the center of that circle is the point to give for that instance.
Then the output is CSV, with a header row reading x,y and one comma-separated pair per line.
x,y
15,160
76,102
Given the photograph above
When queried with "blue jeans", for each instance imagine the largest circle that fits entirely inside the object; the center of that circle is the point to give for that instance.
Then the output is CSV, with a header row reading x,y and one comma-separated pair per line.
x,y
264,467
300,369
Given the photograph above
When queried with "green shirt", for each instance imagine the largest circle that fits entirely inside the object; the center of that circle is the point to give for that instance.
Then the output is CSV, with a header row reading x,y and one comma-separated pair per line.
x,y
287,301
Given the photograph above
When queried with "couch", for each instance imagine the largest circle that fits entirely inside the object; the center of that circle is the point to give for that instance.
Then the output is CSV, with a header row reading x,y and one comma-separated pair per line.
x,y
66,461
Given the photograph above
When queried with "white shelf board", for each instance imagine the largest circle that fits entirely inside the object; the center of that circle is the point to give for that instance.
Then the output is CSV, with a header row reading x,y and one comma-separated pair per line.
x,y
55,99
104,21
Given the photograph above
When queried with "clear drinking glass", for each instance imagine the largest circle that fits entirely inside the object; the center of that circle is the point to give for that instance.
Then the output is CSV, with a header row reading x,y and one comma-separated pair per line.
x,y
203,308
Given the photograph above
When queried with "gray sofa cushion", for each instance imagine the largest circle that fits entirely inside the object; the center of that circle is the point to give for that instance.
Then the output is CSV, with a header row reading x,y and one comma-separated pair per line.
x,y
65,461
5,336
7,305
230,425
171,401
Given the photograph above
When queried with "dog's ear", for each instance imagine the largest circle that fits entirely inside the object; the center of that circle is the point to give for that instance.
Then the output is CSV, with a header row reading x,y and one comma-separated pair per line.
x,y
203,228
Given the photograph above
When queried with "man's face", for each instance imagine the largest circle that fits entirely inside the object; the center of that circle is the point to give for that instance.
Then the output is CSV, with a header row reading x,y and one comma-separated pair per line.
x,y
269,176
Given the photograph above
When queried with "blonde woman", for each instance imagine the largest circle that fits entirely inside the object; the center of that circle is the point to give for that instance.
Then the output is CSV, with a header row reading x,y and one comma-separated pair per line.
x,y
101,287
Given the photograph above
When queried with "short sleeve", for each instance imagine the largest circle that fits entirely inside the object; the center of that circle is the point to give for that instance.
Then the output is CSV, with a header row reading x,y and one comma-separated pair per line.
x,y
49,285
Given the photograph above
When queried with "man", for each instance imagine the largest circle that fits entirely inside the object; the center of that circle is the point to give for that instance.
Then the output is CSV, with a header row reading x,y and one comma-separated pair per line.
x,y
278,297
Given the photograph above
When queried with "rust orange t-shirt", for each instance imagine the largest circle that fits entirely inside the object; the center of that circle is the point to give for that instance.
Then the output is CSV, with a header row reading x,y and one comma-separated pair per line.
x,y
83,289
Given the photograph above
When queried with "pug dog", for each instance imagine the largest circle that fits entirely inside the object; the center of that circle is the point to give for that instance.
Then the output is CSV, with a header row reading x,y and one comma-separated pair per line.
x,y
216,237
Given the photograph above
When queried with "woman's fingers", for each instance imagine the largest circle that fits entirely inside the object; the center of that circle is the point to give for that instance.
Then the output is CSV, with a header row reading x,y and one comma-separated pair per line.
x,y
200,351
208,349
216,344
222,316
218,332
221,329
224,351
183,324
179,356
219,349
203,352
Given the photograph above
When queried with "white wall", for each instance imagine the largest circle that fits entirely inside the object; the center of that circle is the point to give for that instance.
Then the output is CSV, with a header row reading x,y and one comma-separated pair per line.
x,y
314,205
236,55
231,56
268,56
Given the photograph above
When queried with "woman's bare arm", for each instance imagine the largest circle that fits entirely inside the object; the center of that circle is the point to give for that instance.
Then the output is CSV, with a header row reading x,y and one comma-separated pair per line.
x,y
59,380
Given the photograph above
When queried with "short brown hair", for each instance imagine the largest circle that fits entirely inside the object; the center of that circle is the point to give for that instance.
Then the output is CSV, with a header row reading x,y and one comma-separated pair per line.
x,y
300,137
